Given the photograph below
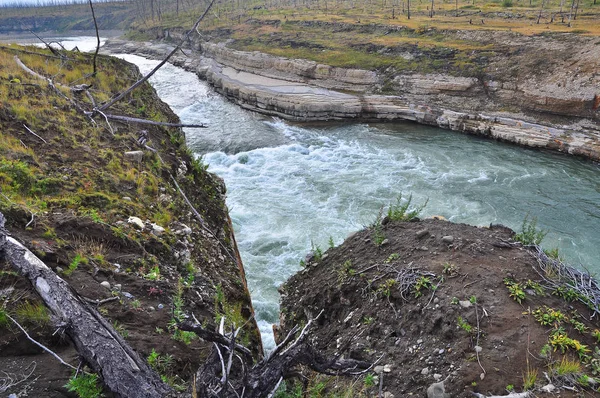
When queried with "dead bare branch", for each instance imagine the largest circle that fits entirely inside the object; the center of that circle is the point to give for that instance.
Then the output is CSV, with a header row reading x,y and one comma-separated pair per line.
x,y
97,39
11,380
152,122
30,131
160,65
43,347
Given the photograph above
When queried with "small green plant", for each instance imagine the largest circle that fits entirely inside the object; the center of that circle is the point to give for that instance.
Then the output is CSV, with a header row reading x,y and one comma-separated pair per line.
x,y
549,316
392,257
403,211
385,289
119,328
33,313
473,300
367,320
464,325
510,388
454,300
317,253
529,379
161,363
529,234
596,334
85,385
154,274
4,321
553,253
423,283
136,304
560,340
566,367
546,351
567,293
79,259
578,325
184,337
515,291
369,380
346,271
450,269
507,3
535,286
331,242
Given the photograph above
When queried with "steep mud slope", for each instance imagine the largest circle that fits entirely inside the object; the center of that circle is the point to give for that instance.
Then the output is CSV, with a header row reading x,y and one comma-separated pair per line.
x,y
432,301
102,210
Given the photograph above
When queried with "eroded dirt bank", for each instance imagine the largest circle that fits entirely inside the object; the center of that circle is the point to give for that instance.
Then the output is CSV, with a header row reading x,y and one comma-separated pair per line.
x,y
513,99
433,301
102,211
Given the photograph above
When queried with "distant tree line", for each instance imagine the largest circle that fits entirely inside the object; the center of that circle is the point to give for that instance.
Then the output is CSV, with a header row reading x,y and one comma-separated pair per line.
x,y
50,3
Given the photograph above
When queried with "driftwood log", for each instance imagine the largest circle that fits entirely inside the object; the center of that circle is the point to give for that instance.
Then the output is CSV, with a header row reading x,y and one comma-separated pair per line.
x,y
228,371
105,351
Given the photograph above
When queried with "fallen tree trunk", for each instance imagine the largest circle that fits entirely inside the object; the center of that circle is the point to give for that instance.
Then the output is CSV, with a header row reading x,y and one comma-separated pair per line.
x,y
127,375
121,368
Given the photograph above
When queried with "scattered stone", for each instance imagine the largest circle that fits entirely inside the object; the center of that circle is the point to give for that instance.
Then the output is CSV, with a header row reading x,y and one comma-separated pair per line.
x,y
136,156
387,368
378,369
182,169
437,377
106,284
118,287
164,198
127,294
136,221
548,388
160,306
440,352
59,270
420,234
157,229
385,242
448,239
437,390
465,303
183,230
478,349
127,198
425,371
349,316
482,376
420,341
424,248
151,309
436,300
388,394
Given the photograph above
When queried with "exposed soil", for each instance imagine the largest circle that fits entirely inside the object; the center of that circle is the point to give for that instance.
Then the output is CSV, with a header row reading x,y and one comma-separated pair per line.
x,y
71,197
368,316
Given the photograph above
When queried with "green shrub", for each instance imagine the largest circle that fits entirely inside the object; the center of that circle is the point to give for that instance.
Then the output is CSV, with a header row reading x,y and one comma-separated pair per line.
x,y
529,234
85,386
507,3
403,211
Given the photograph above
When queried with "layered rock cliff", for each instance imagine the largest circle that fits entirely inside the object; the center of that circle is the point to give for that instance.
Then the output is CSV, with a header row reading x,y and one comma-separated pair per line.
x,y
303,90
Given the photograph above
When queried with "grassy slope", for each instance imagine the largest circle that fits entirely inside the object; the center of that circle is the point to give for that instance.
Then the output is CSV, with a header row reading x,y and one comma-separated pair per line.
x,y
79,189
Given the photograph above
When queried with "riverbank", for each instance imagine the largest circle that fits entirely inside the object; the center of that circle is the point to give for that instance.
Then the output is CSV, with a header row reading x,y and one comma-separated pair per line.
x,y
302,91
446,310
104,207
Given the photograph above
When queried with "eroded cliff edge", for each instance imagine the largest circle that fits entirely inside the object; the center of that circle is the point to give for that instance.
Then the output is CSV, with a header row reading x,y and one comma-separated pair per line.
x,y
100,207
540,92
